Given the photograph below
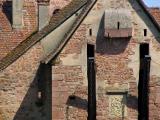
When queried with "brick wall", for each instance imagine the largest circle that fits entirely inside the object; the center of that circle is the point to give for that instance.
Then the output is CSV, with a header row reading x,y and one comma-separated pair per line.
x,y
58,4
68,81
10,38
18,88
117,64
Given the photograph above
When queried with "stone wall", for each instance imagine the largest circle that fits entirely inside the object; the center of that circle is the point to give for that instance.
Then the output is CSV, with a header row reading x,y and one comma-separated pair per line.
x,y
117,66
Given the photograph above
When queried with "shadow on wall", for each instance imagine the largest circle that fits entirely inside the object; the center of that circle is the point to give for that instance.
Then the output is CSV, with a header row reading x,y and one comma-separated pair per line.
x,y
132,102
109,46
77,102
7,10
30,108
149,24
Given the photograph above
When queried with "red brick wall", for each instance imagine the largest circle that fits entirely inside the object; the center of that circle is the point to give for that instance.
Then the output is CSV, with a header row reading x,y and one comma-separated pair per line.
x,y
154,98
68,80
58,4
154,85
113,69
18,88
10,38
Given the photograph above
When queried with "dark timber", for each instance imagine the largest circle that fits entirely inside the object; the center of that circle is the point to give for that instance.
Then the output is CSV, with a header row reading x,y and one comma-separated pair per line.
x,y
143,87
91,84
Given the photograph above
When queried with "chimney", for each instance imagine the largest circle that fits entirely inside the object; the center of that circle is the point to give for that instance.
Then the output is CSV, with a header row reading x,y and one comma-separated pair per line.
x,y
43,13
17,13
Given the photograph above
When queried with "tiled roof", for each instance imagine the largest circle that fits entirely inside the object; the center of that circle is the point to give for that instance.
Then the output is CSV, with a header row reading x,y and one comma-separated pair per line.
x,y
155,13
56,20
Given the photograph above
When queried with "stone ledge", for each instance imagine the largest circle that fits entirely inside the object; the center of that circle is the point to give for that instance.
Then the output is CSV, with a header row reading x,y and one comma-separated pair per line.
x,y
114,89
117,90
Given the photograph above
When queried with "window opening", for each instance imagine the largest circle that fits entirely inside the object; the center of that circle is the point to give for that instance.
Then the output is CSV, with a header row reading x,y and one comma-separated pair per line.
x,y
145,32
90,32
56,11
118,25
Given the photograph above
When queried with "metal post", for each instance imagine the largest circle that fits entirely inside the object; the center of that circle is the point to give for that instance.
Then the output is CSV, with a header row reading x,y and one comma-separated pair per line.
x,y
91,90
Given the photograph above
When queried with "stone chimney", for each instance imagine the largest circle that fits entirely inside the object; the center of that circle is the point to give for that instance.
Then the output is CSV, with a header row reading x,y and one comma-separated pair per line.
x,y
43,13
17,13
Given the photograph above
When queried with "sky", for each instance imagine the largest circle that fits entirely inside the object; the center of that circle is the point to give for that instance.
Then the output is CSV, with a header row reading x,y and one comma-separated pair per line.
x,y
152,3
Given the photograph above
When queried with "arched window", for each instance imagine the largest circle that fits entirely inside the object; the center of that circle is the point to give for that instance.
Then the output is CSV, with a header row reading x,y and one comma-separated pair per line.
x,y
56,11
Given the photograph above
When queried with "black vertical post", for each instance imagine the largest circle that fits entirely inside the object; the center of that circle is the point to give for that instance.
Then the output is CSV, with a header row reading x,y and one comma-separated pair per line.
x,y
145,98
144,101
91,90
41,82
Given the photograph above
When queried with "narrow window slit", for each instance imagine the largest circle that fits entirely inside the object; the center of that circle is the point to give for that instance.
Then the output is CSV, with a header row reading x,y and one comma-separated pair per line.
x,y
90,32
145,32
118,25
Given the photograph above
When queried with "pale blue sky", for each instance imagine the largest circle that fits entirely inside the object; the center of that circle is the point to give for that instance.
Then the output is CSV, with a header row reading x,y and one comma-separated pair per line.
x,y
152,3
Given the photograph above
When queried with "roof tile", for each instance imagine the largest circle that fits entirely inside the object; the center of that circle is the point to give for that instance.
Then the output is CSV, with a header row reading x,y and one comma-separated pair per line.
x,y
155,13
